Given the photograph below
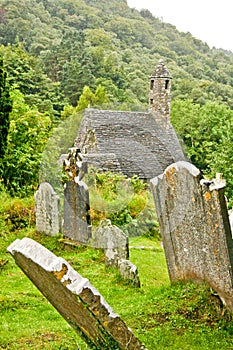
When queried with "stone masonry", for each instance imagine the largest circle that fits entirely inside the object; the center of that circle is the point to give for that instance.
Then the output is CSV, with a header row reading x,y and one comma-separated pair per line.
x,y
134,143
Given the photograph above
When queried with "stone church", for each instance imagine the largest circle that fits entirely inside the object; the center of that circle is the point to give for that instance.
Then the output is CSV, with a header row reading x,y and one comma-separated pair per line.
x,y
133,143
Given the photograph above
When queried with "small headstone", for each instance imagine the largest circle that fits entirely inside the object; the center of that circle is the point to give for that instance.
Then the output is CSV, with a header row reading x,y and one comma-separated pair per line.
x,y
82,306
195,228
47,210
77,225
114,242
129,272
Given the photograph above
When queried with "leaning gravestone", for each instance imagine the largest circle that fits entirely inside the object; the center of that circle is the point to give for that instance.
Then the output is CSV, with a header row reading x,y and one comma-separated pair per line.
x,y
47,210
77,226
195,228
74,297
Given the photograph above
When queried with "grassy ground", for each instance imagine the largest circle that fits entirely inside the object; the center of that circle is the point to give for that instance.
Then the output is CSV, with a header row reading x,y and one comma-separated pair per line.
x,y
182,316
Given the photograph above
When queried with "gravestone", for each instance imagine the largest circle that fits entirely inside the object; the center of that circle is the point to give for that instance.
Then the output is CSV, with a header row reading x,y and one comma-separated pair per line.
x,y
195,228
114,242
47,210
77,225
129,272
82,306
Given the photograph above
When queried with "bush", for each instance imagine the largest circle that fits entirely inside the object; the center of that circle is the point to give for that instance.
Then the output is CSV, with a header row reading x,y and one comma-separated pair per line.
x,y
16,213
125,201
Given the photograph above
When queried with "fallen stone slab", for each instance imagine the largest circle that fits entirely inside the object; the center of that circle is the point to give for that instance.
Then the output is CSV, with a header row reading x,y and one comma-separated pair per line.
x,y
81,305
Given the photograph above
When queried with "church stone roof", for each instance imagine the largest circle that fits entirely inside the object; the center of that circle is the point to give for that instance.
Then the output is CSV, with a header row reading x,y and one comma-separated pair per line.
x,y
128,142
161,71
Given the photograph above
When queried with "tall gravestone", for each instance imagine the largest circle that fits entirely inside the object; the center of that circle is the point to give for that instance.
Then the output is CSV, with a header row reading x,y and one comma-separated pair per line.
x,y
77,224
195,228
47,210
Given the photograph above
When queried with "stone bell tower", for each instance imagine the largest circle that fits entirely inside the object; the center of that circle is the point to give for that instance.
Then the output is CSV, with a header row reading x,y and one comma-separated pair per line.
x,y
160,91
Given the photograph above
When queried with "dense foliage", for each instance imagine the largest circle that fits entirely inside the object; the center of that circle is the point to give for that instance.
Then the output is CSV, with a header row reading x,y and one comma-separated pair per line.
x,y
5,109
77,43
207,135
28,134
68,54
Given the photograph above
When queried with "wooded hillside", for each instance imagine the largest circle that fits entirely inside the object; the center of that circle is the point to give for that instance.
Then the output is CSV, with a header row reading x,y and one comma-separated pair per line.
x,y
76,52
80,43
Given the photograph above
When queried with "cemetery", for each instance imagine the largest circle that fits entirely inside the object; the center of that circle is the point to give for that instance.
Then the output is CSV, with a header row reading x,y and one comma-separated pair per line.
x,y
194,223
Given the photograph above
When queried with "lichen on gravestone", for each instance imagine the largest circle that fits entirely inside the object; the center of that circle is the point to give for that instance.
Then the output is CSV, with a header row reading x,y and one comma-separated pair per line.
x,y
47,205
195,228
81,305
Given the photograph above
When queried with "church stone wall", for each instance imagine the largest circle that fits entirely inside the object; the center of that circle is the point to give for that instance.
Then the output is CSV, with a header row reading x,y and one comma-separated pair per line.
x,y
138,143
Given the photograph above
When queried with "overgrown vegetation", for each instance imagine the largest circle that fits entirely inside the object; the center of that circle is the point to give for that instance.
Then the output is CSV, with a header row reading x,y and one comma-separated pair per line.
x,y
125,201
186,316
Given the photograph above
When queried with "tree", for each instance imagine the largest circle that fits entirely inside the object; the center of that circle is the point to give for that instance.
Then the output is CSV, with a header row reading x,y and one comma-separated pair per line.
x,y
207,135
5,109
88,98
28,133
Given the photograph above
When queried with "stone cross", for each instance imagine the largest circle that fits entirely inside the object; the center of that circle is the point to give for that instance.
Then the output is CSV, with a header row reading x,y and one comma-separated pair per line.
x,y
47,210
82,306
195,228
77,224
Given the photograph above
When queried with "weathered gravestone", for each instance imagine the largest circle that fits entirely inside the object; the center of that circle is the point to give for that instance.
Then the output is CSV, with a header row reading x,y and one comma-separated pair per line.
x,y
77,225
115,244
129,272
74,297
47,210
195,228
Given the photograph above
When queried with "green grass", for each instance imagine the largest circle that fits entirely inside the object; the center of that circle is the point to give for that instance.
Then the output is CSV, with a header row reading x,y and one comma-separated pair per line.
x,y
181,316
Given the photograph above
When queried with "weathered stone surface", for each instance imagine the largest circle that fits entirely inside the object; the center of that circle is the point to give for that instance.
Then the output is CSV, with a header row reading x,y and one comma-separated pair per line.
x,y
138,143
129,271
47,210
77,225
160,91
74,297
195,228
114,242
